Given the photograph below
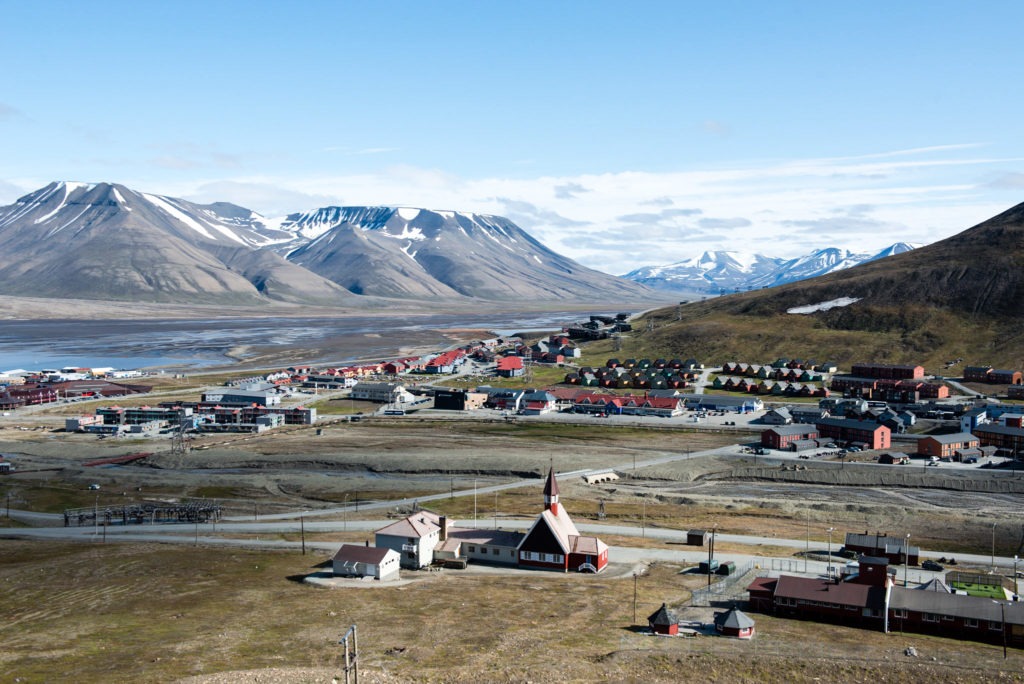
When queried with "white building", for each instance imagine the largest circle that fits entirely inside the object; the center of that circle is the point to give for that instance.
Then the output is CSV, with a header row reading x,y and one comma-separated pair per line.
x,y
382,392
353,560
414,538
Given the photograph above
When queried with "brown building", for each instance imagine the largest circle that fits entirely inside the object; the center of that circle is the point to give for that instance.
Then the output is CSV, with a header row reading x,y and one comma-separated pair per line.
x,y
947,446
887,371
784,436
872,435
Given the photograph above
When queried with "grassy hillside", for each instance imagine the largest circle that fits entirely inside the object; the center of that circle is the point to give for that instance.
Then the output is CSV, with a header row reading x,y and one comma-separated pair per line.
x,y
959,298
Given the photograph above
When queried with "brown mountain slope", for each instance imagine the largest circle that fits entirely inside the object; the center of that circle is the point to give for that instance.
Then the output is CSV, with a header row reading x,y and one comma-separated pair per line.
x,y
962,297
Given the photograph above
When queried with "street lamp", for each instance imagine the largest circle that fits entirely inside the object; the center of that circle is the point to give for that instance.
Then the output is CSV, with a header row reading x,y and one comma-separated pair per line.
x,y
906,559
830,531
993,547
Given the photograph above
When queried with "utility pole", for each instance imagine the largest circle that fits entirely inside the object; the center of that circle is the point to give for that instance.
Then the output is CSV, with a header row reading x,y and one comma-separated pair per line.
x,y
906,559
351,655
830,531
474,504
634,597
643,521
993,547
302,528
711,552
807,542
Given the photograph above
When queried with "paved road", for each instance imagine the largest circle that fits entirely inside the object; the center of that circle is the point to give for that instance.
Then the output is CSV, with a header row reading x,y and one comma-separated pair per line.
x,y
203,534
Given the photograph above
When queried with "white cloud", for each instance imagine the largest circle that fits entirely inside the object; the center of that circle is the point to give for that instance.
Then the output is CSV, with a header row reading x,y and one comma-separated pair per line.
x,y
619,221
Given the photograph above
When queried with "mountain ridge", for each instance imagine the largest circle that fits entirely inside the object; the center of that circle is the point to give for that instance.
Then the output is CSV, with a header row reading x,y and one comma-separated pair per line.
x,y
724,271
106,241
961,297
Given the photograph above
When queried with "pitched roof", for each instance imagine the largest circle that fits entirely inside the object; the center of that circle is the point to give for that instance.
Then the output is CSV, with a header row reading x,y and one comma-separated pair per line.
x,y
561,526
510,363
356,553
844,593
935,584
957,605
662,616
733,619
419,524
484,537
590,546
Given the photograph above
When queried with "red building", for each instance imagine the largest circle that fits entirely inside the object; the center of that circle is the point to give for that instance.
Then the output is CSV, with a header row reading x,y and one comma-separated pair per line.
x,y
783,436
947,446
663,621
510,366
887,371
873,435
554,543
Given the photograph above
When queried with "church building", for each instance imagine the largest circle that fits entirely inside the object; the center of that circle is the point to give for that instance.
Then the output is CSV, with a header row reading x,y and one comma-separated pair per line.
x,y
554,543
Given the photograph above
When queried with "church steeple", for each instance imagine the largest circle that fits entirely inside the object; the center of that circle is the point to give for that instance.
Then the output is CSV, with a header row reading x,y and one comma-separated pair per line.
x,y
551,493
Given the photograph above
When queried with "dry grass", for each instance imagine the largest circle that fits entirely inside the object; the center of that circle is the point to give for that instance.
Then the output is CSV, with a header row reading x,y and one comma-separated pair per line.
x,y
92,613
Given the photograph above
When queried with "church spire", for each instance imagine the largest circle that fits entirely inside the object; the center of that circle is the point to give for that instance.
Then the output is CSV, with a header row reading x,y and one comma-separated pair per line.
x,y
551,493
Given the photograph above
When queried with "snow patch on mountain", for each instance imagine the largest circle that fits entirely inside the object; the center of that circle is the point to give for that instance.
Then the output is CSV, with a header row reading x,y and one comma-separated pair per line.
x,y
722,272
823,306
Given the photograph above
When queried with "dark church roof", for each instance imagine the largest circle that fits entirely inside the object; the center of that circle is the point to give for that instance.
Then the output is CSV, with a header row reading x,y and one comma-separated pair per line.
x,y
551,486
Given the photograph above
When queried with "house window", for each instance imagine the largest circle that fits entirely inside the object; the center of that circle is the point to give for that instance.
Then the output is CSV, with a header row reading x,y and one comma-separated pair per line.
x,y
930,617
947,618
900,613
483,550
971,623
472,549
995,626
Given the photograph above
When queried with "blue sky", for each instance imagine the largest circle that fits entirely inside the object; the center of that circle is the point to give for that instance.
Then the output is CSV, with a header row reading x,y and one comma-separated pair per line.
x,y
620,136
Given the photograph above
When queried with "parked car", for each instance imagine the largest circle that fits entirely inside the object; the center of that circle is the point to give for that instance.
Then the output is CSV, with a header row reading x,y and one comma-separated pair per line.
x,y
932,565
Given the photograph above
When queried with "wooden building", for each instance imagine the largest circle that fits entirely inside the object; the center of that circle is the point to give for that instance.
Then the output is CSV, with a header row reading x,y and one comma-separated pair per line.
x,y
734,623
353,560
664,621
554,543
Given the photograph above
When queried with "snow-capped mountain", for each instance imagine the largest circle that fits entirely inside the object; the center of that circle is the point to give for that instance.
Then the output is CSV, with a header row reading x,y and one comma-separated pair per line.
x,y
710,273
106,241
723,272
409,252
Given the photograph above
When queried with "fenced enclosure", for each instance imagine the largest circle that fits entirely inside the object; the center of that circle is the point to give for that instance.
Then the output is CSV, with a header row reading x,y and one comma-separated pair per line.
x,y
145,512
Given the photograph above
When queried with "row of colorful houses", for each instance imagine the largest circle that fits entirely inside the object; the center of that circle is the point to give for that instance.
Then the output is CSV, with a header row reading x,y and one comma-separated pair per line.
x,y
622,378
753,386
772,373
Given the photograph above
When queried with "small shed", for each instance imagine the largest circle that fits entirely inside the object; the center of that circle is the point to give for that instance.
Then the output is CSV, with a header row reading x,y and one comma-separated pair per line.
x,y
734,623
696,537
353,560
663,621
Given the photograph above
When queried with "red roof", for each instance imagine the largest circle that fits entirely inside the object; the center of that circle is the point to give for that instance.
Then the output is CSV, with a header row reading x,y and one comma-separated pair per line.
x,y
510,363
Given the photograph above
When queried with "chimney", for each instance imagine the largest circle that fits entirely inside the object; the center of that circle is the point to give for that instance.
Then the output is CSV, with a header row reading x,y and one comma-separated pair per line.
x,y
443,522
